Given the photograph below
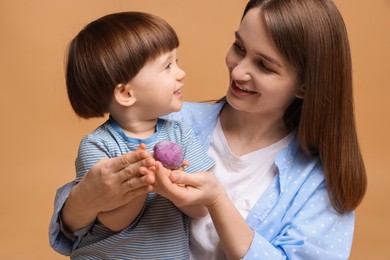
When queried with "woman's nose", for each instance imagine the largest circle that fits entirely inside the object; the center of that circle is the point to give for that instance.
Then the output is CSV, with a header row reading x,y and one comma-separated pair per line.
x,y
240,71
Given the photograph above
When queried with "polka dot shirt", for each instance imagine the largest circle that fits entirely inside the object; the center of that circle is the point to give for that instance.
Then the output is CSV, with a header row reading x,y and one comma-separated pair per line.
x,y
293,219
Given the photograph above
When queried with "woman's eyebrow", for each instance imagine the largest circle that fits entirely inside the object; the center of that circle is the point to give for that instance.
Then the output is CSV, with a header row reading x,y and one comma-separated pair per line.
x,y
262,55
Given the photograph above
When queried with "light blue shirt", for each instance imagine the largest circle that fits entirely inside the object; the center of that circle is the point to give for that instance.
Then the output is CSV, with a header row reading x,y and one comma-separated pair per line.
x,y
293,219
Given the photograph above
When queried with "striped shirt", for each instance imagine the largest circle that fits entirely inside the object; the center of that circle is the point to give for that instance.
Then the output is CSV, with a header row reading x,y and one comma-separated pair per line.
x,y
161,229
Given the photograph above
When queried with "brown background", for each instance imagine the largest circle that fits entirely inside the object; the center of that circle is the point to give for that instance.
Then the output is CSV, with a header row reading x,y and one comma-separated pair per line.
x,y
40,133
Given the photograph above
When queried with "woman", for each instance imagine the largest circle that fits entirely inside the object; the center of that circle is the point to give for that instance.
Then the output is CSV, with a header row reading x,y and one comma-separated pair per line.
x,y
288,172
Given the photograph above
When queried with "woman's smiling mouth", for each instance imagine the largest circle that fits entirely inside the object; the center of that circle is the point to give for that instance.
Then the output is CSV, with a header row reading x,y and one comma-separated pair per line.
x,y
240,91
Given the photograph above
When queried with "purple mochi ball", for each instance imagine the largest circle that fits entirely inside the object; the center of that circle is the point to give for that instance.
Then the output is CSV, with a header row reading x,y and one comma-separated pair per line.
x,y
169,154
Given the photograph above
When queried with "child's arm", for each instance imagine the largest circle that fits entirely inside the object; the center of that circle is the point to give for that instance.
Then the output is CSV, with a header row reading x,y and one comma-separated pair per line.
x,y
119,218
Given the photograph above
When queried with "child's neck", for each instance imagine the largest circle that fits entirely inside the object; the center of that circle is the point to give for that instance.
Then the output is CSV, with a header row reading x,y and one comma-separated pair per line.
x,y
138,129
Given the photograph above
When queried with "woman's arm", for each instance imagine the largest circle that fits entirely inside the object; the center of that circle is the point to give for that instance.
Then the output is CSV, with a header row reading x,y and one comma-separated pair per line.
x,y
309,228
234,233
61,241
109,184
202,188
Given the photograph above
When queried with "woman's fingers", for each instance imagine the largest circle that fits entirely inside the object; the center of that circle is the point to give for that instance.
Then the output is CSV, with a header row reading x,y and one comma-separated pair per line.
x,y
111,183
135,192
118,163
132,164
181,177
137,182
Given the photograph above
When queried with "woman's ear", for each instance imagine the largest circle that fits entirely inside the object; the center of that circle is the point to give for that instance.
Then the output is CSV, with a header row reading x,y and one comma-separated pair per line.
x,y
301,92
124,95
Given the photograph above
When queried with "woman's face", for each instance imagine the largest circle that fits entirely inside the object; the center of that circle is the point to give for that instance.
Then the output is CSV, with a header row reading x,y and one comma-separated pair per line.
x,y
261,80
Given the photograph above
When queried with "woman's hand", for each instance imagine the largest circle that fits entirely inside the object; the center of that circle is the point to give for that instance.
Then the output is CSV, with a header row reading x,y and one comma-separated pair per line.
x,y
112,183
109,184
185,189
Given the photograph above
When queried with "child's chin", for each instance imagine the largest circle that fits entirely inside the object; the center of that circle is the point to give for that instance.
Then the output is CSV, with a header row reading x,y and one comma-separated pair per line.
x,y
177,107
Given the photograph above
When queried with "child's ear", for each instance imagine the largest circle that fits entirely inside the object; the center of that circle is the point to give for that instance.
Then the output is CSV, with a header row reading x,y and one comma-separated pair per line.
x,y
301,92
124,95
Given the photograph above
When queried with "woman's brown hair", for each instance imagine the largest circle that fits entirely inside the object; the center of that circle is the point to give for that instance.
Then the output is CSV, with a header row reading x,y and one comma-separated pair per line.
x,y
109,51
312,35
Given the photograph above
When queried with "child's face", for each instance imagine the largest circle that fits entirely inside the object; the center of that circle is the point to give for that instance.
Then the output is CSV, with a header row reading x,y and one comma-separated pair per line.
x,y
157,86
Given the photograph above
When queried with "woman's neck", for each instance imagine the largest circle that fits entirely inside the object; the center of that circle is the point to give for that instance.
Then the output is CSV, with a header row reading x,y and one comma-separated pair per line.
x,y
247,132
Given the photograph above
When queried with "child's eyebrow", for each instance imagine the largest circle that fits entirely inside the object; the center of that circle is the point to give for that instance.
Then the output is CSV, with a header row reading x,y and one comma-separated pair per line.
x,y
168,58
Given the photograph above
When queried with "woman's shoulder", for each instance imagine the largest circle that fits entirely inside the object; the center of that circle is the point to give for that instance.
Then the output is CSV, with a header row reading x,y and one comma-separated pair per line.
x,y
174,126
203,106
202,117
294,163
194,113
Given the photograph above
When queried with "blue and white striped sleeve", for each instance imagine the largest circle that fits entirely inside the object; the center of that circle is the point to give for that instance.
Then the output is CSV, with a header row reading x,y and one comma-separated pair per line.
x,y
91,150
194,153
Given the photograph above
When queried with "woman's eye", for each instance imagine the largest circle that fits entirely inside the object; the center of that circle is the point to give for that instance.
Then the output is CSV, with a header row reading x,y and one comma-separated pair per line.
x,y
238,47
262,66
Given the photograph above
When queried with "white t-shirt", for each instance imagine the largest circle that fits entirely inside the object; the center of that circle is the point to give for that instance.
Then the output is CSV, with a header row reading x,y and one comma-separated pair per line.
x,y
244,178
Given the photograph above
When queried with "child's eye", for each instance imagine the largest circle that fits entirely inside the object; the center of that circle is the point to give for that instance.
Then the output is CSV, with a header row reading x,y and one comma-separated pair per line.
x,y
169,65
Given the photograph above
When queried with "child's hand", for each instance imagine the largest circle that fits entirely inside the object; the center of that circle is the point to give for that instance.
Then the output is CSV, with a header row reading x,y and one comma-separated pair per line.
x,y
185,164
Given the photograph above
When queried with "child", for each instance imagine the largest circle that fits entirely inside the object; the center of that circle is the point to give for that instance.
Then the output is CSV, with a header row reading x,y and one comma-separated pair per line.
x,y
125,64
